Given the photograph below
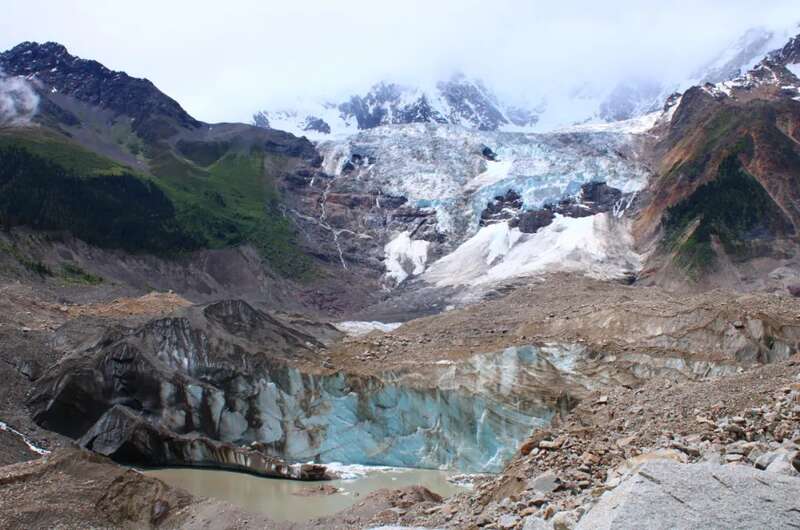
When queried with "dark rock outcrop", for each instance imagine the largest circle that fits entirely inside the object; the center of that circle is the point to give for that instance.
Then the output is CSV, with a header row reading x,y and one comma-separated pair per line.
x,y
531,222
502,208
128,437
383,105
92,83
593,198
317,124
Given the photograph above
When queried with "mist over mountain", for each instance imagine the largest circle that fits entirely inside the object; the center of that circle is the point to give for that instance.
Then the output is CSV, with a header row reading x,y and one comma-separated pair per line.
x,y
225,65
472,103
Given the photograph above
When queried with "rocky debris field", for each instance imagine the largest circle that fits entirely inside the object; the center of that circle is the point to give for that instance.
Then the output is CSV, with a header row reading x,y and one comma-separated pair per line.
x,y
749,420
606,317
597,446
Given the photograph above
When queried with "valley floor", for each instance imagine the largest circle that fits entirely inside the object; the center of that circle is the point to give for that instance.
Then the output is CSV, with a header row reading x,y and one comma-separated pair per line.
x,y
712,377
740,421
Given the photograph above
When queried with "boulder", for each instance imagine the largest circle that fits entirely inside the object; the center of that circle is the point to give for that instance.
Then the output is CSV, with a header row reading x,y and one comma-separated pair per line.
x,y
533,522
565,520
763,461
670,495
782,464
547,482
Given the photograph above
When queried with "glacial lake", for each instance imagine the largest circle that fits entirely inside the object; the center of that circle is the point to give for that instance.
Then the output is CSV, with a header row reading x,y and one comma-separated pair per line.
x,y
279,499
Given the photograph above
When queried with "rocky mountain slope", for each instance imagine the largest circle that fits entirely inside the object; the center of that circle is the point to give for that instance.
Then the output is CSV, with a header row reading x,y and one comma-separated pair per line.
x,y
118,144
724,204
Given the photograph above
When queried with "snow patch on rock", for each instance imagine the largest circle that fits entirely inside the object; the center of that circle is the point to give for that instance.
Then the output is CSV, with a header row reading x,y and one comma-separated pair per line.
x,y
405,257
496,171
360,327
38,450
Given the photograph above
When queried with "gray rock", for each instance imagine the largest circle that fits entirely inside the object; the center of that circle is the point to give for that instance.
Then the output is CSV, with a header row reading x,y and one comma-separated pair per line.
x,y
783,465
544,483
565,520
763,461
668,495
536,523
507,520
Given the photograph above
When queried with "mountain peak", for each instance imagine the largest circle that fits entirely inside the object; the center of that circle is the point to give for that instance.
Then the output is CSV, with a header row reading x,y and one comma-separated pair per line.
x,y
49,48
59,72
458,100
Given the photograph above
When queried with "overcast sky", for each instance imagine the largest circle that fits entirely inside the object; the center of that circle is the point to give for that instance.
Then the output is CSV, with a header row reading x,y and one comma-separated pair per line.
x,y
222,60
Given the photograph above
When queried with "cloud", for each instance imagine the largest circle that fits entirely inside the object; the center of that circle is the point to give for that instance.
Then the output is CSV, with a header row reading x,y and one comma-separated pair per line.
x,y
224,61
18,101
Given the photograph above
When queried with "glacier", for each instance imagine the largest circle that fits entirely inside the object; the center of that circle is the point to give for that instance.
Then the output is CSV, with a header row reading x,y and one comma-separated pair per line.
x,y
600,246
455,172
469,416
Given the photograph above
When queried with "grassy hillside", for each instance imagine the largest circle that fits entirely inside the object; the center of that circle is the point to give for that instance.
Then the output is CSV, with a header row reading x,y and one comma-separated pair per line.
x,y
49,182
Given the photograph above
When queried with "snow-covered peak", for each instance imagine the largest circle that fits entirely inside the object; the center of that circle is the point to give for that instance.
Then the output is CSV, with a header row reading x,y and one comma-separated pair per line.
x,y
470,103
741,55
459,100
778,71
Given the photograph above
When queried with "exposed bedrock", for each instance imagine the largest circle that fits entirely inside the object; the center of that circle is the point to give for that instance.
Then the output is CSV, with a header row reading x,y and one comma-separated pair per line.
x,y
220,385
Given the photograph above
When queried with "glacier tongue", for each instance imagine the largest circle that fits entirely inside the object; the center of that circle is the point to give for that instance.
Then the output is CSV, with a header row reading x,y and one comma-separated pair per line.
x,y
599,246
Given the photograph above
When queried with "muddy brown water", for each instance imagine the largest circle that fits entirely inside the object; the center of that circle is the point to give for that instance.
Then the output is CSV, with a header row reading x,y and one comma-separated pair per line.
x,y
282,500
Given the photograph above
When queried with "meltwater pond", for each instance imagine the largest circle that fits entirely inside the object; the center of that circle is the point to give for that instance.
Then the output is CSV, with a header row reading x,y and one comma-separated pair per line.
x,y
284,500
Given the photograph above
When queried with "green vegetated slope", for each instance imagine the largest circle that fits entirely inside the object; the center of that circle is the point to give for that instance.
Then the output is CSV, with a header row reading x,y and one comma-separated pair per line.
x,y
734,208
219,197
733,157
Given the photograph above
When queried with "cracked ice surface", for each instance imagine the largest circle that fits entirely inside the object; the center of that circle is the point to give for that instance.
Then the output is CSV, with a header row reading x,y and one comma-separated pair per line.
x,y
441,167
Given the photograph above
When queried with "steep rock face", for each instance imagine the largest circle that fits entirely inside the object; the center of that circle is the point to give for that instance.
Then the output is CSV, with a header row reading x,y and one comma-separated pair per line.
x,y
789,54
727,192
